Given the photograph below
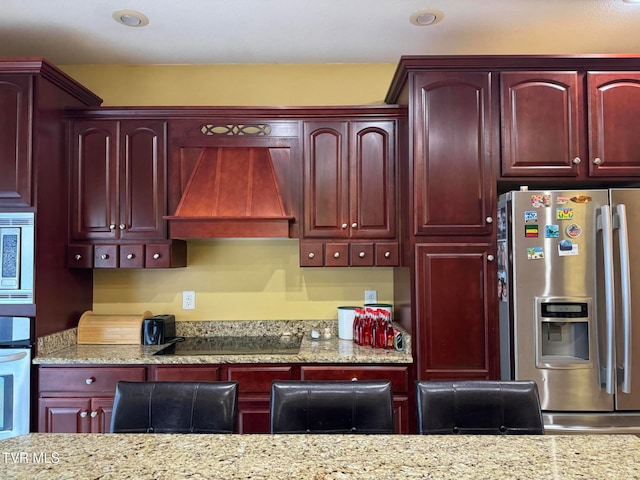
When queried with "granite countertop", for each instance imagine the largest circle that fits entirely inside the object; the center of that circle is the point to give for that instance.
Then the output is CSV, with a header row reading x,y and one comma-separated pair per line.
x,y
63,348
154,456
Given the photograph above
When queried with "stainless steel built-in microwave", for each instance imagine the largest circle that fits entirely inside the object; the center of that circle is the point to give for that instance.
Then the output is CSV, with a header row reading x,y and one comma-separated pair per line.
x,y
17,247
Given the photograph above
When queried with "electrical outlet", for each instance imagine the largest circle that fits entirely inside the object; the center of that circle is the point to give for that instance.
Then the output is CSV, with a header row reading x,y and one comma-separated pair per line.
x,y
370,296
188,300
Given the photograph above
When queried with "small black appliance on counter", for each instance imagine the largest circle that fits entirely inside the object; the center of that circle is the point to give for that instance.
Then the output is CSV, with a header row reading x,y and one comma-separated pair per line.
x,y
158,329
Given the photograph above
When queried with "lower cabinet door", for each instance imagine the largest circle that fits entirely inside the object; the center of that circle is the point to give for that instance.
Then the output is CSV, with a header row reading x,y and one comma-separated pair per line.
x,y
64,415
101,409
253,415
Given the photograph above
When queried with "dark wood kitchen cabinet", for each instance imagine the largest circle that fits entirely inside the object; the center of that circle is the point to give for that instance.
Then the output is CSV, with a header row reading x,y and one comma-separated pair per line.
x,y
350,193
118,178
454,144
457,330
546,116
15,140
118,196
80,399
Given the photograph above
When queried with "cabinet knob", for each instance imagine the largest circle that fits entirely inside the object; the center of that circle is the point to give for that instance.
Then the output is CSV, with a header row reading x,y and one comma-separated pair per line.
x,y
387,254
104,256
112,226
83,414
131,256
122,226
94,414
489,219
336,255
344,225
77,256
576,160
89,380
597,161
354,379
354,225
156,256
311,255
490,258
361,254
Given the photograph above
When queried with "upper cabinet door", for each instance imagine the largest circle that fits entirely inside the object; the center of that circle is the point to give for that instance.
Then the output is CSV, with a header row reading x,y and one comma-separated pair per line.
x,y
326,179
372,179
614,117
94,201
142,179
540,124
453,146
15,140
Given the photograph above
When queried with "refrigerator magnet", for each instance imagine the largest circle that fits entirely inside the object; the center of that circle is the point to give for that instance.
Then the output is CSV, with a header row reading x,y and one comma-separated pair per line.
x,y
540,200
564,214
574,230
567,248
531,231
562,200
551,231
535,253
530,216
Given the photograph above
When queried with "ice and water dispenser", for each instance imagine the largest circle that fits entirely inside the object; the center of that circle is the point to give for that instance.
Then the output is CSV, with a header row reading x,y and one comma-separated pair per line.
x,y
563,331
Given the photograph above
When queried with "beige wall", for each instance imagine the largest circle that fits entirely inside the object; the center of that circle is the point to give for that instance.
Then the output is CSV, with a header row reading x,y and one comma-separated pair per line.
x,y
238,279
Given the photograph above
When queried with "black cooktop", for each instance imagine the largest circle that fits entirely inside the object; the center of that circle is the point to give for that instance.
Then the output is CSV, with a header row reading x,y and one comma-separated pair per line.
x,y
287,345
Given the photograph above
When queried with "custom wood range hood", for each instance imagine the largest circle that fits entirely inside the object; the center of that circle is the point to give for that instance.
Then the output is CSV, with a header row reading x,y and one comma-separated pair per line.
x,y
229,192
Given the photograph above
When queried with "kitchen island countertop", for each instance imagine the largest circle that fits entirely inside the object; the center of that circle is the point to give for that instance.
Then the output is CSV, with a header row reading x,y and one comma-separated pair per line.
x,y
155,456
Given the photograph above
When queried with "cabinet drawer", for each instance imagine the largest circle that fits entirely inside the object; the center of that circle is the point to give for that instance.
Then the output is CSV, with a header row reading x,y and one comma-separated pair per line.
x,y
105,256
87,380
361,254
131,256
258,379
80,256
184,374
399,376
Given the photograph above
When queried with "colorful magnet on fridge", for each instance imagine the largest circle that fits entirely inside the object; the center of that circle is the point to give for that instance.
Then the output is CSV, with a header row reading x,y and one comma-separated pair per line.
x,y
539,200
530,216
567,248
551,231
574,230
535,253
562,200
531,231
564,214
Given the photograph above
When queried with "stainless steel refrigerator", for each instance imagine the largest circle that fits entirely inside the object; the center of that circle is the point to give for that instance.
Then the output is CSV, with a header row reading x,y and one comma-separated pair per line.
x,y
569,296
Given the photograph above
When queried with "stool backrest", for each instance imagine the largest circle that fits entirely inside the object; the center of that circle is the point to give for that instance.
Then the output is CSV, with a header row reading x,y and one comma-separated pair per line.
x,y
331,407
175,407
479,407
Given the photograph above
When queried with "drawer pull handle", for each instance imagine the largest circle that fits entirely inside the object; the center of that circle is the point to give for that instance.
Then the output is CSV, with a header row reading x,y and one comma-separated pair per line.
x,y
104,256
597,161
311,255
94,414
361,254
131,256
78,257
576,160
344,225
156,256
489,219
490,258
122,226
112,226
89,380
354,225
387,254
354,379
336,255
83,414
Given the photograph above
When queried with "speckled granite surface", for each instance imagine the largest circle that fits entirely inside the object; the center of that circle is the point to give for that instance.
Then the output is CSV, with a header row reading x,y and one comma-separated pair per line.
x,y
141,457
332,350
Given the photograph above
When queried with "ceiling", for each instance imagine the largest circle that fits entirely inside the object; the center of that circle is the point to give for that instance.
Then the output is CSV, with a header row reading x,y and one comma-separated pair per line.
x,y
74,32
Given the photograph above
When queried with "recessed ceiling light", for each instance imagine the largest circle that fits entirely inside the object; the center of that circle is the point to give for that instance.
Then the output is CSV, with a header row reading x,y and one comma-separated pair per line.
x,y
130,18
423,18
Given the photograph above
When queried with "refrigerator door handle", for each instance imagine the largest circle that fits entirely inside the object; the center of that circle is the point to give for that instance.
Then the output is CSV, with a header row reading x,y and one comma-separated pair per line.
x,y
625,288
607,246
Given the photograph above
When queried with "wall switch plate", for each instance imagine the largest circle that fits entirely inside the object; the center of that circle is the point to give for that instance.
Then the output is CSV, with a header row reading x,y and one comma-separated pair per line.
x,y
188,300
370,296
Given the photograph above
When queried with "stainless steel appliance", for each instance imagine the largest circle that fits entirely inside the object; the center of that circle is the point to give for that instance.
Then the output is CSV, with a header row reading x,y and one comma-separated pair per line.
x,y
16,257
569,292
16,341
